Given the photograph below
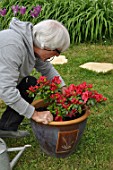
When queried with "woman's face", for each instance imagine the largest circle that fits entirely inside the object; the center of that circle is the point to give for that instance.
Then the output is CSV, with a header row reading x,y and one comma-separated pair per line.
x,y
46,54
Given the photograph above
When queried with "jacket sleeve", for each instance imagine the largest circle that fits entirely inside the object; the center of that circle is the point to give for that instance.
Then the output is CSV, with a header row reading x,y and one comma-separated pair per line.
x,y
47,69
10,62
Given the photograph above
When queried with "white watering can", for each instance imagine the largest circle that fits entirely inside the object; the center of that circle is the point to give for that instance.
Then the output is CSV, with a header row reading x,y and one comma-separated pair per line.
x,y
5,164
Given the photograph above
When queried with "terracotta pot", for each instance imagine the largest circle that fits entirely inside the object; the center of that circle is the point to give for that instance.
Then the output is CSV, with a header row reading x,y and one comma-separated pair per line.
x,y
59,139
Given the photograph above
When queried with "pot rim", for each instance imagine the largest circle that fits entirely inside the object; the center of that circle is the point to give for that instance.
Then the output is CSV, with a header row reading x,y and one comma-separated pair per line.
x,y
40,103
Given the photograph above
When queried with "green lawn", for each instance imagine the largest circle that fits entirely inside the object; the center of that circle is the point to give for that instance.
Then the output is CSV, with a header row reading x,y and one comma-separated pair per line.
x,y
95,150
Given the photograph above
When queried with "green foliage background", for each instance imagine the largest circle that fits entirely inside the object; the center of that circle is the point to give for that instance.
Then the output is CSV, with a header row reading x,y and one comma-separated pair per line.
x,y
86,20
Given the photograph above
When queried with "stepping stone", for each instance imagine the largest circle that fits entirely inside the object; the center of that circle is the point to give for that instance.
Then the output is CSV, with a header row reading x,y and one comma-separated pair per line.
x,y
61,59
97,67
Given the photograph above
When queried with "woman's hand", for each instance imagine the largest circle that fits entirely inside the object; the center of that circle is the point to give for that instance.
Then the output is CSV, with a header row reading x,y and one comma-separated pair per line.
x,y
63,89
44,117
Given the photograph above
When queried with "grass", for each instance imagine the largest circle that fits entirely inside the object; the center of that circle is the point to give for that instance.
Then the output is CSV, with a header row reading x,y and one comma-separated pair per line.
x,y
95,150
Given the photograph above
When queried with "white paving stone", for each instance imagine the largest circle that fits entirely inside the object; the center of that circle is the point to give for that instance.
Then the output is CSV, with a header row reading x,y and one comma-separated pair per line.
x,y
97,67
61,59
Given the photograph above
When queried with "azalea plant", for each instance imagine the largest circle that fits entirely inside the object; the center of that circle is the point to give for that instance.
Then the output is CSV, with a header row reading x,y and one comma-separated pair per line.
x,y
70,105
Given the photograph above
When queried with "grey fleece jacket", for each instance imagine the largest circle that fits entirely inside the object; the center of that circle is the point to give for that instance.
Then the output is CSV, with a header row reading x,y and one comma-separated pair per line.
x,y
17,60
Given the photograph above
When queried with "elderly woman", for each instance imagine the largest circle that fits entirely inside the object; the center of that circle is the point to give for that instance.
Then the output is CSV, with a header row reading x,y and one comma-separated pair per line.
x,y
22,48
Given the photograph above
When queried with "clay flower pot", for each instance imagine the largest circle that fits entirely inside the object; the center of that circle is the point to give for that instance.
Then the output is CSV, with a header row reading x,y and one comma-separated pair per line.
x,y
59,139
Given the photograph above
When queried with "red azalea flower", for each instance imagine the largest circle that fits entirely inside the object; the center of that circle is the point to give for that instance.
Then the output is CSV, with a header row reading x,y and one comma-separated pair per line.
x,y
61,98
55,95
74,100
68,92
90,86
56,80
91,94
78,90
58,118
53,86
83,86
98,97
72,113
41,79
72,87
104,98
85,96
47,83
52,96
65,106
58,96
33,88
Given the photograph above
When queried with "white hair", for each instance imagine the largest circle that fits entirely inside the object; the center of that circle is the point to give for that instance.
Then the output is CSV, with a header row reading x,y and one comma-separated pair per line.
x,y
51,34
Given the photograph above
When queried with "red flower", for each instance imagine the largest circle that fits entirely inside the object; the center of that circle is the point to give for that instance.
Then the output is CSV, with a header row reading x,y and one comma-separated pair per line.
x,y
83,86
68,92
53,87
56,80
33,88
58,118
74,100
42,79
72,87
65,106
98,97
85,96
104,98
61,99
55,95
72,113
90,86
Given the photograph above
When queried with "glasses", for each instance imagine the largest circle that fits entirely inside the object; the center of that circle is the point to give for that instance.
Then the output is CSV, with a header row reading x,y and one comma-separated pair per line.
x,y
54,50
50,59
57,51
